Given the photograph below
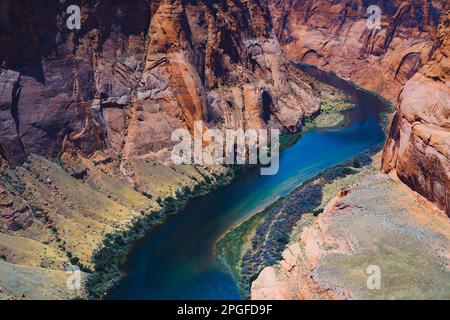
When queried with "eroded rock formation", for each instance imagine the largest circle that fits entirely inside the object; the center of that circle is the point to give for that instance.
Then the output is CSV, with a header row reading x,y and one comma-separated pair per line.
x,y
334,36
375,224
418,146
136,71
86,118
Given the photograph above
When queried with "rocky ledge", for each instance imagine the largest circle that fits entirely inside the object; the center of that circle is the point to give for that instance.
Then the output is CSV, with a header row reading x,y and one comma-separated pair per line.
x,y
418,147
375,223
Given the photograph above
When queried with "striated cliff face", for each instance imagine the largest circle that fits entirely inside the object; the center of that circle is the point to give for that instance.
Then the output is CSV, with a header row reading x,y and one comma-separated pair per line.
x,y
408,60
136,71
334,36
54,80
418,143
101,104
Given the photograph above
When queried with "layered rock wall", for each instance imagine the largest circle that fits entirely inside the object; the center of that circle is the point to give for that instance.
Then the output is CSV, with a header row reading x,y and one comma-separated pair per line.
x,y
418,148
136,71
406,60
334,35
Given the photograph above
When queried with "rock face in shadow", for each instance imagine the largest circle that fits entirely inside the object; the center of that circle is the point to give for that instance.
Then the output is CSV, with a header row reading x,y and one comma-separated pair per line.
x,y
102,103
334,35
136,71
418,144
60,78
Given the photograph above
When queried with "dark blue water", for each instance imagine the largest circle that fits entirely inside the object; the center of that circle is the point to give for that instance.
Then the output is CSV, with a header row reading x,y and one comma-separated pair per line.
x,y
176,261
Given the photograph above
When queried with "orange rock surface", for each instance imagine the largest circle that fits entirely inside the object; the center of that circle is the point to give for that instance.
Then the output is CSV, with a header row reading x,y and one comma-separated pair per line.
x,y
334,36
376,222
418,145
406,60
136,71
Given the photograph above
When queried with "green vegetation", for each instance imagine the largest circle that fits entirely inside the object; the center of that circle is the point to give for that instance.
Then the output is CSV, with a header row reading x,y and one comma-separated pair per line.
x,y
332,114
231,247
326,120
112,253
236,249
356,164
288,139
386,102
9,177
147,195
328,105
116,246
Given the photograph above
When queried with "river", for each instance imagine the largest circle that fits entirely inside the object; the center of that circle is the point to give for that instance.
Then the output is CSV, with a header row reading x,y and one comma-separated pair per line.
x,y
176,260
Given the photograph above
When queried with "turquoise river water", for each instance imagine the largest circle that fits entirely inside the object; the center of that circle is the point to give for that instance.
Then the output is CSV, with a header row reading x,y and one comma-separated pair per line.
x,y
176,260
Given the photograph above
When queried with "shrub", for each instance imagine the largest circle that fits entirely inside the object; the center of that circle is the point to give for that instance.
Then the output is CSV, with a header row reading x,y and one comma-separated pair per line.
x,y
186,190
317,212
356,164
148,195
74,261
347,171
170,199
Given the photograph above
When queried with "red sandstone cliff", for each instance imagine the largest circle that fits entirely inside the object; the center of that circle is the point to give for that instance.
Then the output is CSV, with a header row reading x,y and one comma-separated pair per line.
x,y
103,101
136,71
418,145
334,36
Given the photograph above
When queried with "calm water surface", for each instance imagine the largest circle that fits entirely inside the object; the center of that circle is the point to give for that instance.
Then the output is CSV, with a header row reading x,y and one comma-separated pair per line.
x,y
176,260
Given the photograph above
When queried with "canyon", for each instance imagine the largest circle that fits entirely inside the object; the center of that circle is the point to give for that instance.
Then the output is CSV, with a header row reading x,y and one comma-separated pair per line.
x,y
406,61
136,71
413,37
86,116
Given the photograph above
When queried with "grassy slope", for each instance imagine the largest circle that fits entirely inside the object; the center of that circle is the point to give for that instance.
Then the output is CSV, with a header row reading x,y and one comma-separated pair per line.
x,y
74,206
